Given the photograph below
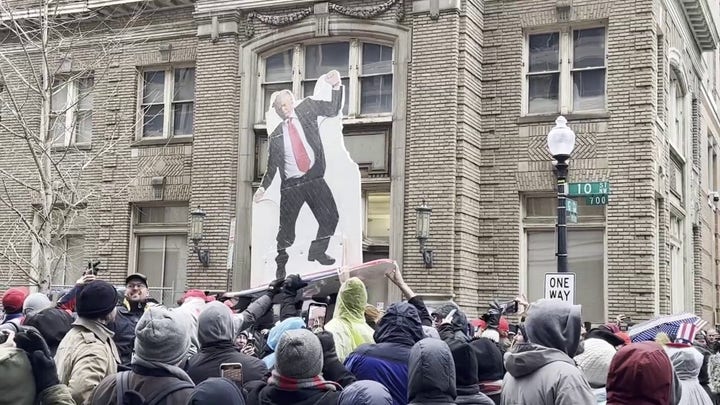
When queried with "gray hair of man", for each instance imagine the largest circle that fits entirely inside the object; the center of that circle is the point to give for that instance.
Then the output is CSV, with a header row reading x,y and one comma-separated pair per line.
x,y
279,97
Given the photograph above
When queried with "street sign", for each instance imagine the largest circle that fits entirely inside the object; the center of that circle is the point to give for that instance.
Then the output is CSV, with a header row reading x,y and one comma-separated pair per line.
x,y
571,206
596,200
560,286
589,188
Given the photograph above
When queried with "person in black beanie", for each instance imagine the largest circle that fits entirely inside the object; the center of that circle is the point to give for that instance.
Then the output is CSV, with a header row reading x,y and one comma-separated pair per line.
x,y
87,354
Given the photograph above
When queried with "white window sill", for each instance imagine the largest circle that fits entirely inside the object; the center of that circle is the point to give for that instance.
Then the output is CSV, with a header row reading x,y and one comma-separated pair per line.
x,y
71,147
573,116
162,141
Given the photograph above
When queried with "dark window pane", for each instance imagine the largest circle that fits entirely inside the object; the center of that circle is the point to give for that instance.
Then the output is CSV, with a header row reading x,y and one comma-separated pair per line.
x,y
153,87
320,59
589,48
368,150
153,120
543,52
183,118
309,90
184,84
589,90
262,153
376,59
543,93
278,67
85,95
376,94
159,215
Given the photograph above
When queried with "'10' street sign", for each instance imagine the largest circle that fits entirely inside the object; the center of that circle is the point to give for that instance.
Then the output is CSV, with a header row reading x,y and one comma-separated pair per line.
x,y
589,188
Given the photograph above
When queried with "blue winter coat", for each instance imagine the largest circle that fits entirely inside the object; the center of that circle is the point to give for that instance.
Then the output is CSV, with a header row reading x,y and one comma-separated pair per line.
x,y
387,360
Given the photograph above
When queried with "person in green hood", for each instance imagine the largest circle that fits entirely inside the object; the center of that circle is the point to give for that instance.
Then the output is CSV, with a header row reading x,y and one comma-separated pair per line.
x,y
348,325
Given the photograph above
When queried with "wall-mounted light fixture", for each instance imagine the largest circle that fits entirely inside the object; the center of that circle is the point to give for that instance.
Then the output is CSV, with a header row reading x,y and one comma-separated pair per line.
x,y
423,232
196,235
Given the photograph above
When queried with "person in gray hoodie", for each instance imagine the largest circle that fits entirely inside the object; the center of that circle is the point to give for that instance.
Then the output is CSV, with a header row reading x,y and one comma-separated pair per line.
x,y
542,371
431,374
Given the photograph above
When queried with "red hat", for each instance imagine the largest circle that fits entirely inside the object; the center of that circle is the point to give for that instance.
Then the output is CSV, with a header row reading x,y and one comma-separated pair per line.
x,y
504,325
624,336
13,299
196,294
478,323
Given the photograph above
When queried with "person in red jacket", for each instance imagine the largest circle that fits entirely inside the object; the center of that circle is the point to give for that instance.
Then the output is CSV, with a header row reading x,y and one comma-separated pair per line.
x,y
640,374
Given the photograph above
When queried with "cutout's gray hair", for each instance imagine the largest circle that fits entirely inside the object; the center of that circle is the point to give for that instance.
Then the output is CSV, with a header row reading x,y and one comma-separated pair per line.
x,y
281,93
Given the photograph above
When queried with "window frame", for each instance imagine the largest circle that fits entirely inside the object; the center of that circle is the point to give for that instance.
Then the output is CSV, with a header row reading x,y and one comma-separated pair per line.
x,y
72,111
354,92
565,66
168,94
65,249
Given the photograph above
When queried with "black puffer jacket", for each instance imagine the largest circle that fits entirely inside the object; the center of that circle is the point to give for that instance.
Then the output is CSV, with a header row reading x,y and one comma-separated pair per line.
x,y
127,318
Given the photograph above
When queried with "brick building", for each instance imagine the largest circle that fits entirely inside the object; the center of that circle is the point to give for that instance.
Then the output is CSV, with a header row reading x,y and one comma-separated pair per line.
x,y
447,101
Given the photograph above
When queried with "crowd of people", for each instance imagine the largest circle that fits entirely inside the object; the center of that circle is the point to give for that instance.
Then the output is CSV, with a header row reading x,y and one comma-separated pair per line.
x,y
94,346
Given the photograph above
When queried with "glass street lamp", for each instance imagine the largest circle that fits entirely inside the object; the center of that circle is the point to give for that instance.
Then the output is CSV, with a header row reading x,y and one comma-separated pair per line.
x,y
561,142
196,235
423,213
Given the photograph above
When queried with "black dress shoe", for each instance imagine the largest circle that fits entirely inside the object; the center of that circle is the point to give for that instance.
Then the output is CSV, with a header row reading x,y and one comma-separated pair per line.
x,y
321,258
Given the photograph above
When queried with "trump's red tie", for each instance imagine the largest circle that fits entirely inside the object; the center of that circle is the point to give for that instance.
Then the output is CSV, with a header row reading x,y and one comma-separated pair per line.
x,y
301,157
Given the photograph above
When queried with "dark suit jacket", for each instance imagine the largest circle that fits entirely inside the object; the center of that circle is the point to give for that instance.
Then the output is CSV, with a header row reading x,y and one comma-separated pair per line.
x,y
307,113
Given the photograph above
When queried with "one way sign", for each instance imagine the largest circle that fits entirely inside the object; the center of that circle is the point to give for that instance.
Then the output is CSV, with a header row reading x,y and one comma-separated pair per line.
x,y
560,286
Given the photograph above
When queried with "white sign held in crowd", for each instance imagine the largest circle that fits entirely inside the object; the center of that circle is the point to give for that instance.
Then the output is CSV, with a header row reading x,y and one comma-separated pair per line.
x,y
560,286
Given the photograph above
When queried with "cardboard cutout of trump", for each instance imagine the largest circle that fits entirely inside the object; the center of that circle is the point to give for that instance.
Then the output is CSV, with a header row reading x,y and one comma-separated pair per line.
x,y
306,213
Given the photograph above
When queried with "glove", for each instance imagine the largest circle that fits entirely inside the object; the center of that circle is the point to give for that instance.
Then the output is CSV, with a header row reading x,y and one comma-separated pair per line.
x,y
293,283
30,340
44,370
328,344
275,287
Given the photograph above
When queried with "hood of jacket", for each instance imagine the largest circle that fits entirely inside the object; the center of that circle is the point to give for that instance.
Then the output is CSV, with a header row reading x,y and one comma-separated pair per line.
x,y
490,359
365,392
640,374
17,384
555,324
53,324
35,302
431,372
215,324
459,321
401,324
529,358
217,391
686,361
351,301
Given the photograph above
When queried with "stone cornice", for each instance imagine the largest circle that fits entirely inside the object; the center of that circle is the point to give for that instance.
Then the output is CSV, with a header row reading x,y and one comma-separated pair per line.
x,y
701,23
202,6
85,7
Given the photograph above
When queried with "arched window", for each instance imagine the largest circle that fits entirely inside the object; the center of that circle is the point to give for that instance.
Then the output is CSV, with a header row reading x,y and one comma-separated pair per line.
x,y
678,117
366,69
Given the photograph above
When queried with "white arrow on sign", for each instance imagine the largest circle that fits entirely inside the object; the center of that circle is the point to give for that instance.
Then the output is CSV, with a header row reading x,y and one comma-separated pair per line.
x,y
560,286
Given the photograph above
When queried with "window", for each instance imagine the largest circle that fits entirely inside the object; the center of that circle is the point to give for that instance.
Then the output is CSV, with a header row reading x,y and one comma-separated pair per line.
x,y
712,165
677,263
161,249
566,71
68,262
71,112
377,216
586,253
677,125
677,179
366,70
167,100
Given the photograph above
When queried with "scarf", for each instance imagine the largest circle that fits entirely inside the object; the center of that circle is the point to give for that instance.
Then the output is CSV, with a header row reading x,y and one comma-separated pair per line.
x,y
297,384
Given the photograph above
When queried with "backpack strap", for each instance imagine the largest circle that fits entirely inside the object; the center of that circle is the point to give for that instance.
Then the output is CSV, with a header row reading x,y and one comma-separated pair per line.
x,y
122,384
169,388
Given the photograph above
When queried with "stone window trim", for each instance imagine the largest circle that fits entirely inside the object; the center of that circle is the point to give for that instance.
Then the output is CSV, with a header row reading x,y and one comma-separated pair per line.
x,y
564,70
168,115
74,107
343,28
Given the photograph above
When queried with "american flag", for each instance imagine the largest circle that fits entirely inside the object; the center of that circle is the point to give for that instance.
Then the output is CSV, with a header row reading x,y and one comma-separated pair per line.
x,y
666,323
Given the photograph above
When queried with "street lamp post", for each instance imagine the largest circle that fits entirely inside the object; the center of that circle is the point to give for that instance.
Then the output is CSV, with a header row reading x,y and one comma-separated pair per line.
x,y
561,141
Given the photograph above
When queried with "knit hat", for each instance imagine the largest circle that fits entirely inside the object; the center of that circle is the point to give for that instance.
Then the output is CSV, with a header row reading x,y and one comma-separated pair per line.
x,y
13,299
196,294
35,302
595,361
299,354
162,336
96,300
